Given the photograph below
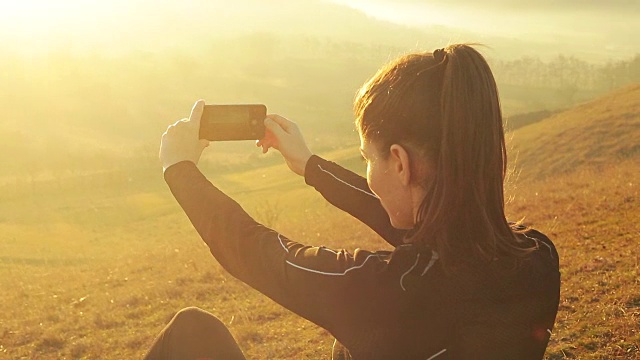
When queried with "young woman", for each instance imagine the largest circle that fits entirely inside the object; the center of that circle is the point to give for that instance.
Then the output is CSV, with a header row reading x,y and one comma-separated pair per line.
x,y
462,282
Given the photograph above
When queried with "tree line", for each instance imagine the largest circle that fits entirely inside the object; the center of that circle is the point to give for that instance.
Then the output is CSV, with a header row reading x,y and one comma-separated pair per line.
x,y
568,72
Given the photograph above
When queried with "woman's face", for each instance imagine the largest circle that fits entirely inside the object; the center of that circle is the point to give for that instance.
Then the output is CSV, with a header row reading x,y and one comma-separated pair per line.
x,y
384,177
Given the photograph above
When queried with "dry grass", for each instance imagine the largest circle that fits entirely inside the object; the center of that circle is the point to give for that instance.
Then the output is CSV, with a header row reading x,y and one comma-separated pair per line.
x,y
592,216
94,269
577,181
87,283
97,272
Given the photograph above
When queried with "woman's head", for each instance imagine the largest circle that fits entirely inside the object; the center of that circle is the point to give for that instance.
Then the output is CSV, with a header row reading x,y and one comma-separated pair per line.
x,y
441,112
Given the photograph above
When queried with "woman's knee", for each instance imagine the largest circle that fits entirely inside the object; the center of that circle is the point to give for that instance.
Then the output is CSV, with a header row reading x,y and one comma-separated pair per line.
x,y
193,318
194,333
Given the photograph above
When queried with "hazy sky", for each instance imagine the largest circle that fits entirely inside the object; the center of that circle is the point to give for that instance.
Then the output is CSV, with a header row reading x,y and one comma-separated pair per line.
x,y
595,26
512,17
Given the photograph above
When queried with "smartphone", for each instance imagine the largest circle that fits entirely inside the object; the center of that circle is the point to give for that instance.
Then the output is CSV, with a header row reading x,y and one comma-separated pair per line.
x,y
233,122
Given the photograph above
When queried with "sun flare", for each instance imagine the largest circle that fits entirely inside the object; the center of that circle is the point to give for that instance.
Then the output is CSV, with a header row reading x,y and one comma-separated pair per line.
x,y
34,25
421,14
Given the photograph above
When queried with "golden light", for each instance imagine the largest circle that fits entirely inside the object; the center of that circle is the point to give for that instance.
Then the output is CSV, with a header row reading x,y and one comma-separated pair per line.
x,y
34,24
413,14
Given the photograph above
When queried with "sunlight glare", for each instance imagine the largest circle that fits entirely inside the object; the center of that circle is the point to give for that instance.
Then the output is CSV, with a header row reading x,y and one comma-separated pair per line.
x,y
408,14
36,17
34,25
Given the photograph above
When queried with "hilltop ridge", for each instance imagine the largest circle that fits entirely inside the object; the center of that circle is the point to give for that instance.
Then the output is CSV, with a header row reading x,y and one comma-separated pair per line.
x,y
593,134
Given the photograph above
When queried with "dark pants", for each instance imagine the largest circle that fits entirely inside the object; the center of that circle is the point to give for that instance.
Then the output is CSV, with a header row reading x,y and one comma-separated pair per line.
x,y
194,334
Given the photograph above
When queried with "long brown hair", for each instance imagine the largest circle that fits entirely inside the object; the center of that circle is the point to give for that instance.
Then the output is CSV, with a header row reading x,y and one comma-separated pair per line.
x,y
445,105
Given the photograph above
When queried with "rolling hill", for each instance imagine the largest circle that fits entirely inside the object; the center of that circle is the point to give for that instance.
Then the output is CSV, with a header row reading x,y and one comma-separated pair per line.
x,y
81,256
597,133
578,184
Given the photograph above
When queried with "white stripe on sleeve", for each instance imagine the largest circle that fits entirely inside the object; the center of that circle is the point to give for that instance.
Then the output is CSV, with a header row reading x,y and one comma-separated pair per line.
x,y
408,271
332,273
346,183
437,354
434,258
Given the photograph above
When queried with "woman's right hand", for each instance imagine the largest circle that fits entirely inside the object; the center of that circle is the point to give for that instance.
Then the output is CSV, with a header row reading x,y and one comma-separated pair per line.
x,y
285,136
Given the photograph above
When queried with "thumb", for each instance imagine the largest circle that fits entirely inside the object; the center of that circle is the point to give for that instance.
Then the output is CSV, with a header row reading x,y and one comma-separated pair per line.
x,y
196,114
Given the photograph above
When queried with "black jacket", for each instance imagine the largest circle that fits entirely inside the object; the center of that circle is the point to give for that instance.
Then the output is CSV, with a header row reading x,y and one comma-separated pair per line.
x,y
384,304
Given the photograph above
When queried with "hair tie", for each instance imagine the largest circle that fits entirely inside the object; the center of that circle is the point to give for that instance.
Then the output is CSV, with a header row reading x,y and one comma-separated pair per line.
x,y
439,55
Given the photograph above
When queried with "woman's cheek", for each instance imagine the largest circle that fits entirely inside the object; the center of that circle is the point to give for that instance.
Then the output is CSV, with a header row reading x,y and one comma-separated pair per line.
x,y
370,177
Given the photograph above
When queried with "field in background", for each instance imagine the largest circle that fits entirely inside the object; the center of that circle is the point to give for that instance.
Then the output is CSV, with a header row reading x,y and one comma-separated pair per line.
x,y
591,215
96,270
96,256
94,263
90,112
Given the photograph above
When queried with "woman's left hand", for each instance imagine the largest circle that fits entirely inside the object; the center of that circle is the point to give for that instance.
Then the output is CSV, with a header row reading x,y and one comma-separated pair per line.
x,y
181,141
284,135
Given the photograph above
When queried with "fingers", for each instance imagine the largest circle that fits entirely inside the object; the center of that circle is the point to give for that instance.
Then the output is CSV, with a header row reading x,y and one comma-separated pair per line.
x,y
269,141
284,123
196,114
274,127
263,143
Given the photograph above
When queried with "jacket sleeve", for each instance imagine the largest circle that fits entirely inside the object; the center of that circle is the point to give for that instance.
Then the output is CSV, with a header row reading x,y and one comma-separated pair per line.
x,y
349,191
310,281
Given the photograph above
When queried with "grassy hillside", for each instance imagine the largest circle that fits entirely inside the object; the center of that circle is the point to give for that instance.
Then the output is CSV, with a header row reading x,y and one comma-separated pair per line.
x,y
578,182
93,265
594,134
592,217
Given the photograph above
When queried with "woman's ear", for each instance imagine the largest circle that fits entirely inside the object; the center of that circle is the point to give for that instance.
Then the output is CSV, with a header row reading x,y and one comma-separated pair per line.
x,y
400,163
